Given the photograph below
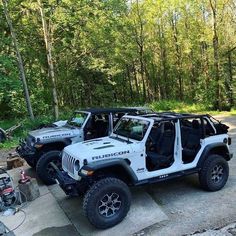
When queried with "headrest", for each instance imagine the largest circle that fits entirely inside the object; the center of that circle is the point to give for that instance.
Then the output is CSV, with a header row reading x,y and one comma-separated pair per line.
x,y
195,124
168,126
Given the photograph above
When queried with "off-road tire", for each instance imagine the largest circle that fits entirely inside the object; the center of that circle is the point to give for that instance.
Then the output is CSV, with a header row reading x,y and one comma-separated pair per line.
x,y
32,164
97,192
206,174
43,165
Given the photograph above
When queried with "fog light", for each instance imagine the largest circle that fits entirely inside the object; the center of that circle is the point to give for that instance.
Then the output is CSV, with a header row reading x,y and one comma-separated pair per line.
x,y
38,145
87,172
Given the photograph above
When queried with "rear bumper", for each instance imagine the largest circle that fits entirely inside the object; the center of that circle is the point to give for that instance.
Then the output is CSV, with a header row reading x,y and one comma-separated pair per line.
x,y
67,184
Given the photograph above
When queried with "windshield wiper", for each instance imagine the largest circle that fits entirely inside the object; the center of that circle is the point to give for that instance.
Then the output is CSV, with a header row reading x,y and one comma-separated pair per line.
x,y
120,138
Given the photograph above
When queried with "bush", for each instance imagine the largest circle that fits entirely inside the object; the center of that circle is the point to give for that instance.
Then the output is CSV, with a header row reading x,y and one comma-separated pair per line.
x,y
177,106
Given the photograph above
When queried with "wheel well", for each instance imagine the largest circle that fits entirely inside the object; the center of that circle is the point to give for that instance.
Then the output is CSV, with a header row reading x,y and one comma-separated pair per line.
x,y
117,171
222,151
54,146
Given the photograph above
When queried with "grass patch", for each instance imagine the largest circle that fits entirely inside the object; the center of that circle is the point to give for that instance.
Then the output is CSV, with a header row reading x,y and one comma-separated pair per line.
x,y
184,107
22,131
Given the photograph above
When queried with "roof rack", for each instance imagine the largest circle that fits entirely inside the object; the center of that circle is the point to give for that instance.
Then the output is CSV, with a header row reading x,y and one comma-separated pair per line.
x,y
170,115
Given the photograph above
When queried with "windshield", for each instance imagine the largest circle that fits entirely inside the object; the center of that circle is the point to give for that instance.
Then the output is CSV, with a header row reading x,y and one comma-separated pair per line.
x,y
78,119
132,128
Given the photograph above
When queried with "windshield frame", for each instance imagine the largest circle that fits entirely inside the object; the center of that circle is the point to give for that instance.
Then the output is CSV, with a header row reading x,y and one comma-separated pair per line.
x,y
150,124
85,122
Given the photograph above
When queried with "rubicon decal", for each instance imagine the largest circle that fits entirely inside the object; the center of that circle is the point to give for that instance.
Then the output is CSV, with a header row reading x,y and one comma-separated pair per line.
x,y
110,155
56,136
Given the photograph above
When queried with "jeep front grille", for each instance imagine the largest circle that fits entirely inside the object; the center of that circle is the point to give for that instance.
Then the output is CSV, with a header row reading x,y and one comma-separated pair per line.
x,y
29,141
68,163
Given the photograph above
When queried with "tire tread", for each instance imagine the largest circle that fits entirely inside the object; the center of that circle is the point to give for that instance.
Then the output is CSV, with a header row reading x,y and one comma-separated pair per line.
x,y
204,171
40,167
93,189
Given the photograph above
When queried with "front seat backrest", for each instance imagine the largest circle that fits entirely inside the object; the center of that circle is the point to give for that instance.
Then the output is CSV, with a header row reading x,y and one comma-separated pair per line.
x,y
167,141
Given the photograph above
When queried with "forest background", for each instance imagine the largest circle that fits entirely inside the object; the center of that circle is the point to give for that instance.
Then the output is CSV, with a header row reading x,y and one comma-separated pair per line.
x,y
60,55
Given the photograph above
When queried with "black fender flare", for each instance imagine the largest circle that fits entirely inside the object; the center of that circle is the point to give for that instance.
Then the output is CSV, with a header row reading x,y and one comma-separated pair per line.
x,y
108,164
65,142
214,148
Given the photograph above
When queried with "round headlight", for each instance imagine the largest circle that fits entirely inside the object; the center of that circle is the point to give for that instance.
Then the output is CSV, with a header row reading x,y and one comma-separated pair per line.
x,y
77,166
33,140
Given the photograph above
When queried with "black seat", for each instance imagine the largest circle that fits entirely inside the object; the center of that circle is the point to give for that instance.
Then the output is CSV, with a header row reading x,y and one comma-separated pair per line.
x,y
155,136
191,141
162,156
101,128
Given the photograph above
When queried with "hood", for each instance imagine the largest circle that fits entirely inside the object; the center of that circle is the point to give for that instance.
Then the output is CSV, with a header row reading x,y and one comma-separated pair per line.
x,y
60,123
99,149
54,132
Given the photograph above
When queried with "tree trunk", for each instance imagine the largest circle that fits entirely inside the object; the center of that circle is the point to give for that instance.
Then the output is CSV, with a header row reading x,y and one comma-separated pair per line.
x,y
130,82
19,59
178,56
48,46
136,81
192,75
215,43
230,83
163,65
140,43
142,73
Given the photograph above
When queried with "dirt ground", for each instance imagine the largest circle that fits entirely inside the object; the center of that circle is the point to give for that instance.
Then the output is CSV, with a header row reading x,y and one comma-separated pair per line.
x,y
189,208
3,156
4,153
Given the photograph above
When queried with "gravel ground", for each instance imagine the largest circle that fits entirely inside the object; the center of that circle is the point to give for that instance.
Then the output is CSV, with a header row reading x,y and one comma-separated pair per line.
x,y
229,230
189,208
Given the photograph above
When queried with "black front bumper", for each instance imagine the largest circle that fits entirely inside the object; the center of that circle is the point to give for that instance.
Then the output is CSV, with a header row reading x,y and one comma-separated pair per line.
x,y
68,185
30,154
25,151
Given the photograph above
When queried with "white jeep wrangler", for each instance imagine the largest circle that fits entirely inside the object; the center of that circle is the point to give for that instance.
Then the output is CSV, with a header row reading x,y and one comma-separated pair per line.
x,y
45,144
142,150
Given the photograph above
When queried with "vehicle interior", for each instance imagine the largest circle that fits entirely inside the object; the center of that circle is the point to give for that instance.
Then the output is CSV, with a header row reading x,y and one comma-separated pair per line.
x,y
97,126
160,146
191,134
116,117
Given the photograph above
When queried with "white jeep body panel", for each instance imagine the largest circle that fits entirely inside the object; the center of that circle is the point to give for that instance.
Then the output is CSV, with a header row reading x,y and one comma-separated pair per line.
x,y
62,131
56,133
135,151
106,148
96,149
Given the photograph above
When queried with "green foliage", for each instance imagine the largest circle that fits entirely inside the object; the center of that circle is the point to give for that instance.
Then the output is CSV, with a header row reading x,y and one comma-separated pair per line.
x,y
178,106
21,132
111,53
